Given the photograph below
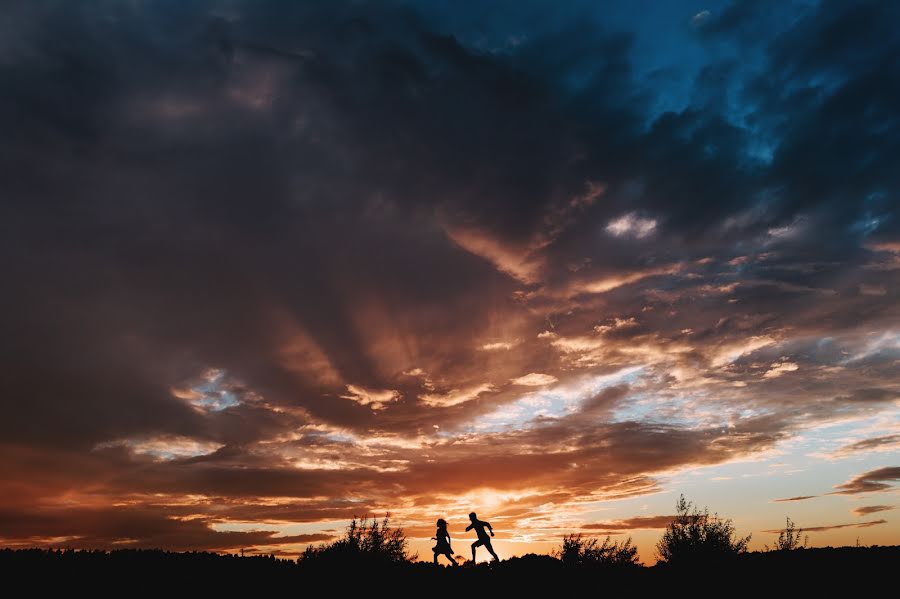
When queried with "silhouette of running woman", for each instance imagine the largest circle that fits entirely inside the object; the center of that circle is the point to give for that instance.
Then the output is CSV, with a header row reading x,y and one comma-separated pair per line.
x,y
443,542
483,538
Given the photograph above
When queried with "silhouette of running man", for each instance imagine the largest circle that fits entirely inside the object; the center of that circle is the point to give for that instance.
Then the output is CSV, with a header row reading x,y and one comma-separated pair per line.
x,y
483,538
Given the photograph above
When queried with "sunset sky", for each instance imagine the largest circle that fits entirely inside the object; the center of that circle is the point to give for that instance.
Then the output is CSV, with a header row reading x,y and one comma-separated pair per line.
x,y
268,265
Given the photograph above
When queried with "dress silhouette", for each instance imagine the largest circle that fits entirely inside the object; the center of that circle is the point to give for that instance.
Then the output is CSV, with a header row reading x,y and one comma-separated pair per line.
x,y
443,542
483,538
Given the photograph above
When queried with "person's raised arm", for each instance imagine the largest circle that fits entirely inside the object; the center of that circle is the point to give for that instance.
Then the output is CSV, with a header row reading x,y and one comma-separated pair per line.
x,y
470,526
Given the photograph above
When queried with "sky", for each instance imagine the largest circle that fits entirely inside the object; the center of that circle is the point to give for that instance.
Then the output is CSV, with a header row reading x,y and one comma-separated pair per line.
x,y
270,265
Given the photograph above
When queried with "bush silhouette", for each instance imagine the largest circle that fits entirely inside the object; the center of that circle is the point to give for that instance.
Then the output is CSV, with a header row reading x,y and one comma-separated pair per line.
x,y
576,550
365,540
694,536
789,538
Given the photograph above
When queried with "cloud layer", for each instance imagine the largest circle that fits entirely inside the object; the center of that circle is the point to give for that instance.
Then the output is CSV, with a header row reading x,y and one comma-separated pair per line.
x,y
271,265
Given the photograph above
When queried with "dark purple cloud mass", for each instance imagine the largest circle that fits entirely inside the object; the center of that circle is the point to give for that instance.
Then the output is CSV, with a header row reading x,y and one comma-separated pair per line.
x,y
268,265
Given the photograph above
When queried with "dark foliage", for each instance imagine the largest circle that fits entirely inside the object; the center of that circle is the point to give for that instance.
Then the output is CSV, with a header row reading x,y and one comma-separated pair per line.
x,y
365,541
127,572
789,538
695,537
577,550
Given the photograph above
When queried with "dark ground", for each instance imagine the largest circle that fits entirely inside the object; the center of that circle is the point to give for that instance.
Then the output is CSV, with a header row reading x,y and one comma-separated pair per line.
x,y
848,571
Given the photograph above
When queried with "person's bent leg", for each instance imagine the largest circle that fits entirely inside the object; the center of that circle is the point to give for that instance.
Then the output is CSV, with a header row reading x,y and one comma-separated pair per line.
x,y
490,549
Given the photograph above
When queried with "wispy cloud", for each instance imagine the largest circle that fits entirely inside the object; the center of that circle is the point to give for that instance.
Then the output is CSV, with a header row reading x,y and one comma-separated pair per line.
x,y
865,510
534,379
834,526
455,397
631,225
377,399
870,482
797,498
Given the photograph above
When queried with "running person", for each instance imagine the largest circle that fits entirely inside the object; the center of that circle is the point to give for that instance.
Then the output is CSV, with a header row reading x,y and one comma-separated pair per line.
x,y
443,542
483,538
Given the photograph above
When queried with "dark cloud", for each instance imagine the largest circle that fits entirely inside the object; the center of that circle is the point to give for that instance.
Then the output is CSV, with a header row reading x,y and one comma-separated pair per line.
x,y
869,482
875,443
635,523
865,510
145,528
798,498
869,394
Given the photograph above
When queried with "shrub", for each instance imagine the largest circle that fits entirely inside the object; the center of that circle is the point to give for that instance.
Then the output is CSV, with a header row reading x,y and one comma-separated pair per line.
x,y
364,540
789,538
695,536
579,551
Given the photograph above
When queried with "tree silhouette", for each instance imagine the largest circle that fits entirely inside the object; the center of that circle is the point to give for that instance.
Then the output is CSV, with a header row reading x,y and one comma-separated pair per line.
x,y
789,538
694,536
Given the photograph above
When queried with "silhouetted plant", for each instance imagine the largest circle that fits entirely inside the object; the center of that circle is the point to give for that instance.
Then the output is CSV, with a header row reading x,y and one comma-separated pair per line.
x,y
789,538
694,536
576,550
365,539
